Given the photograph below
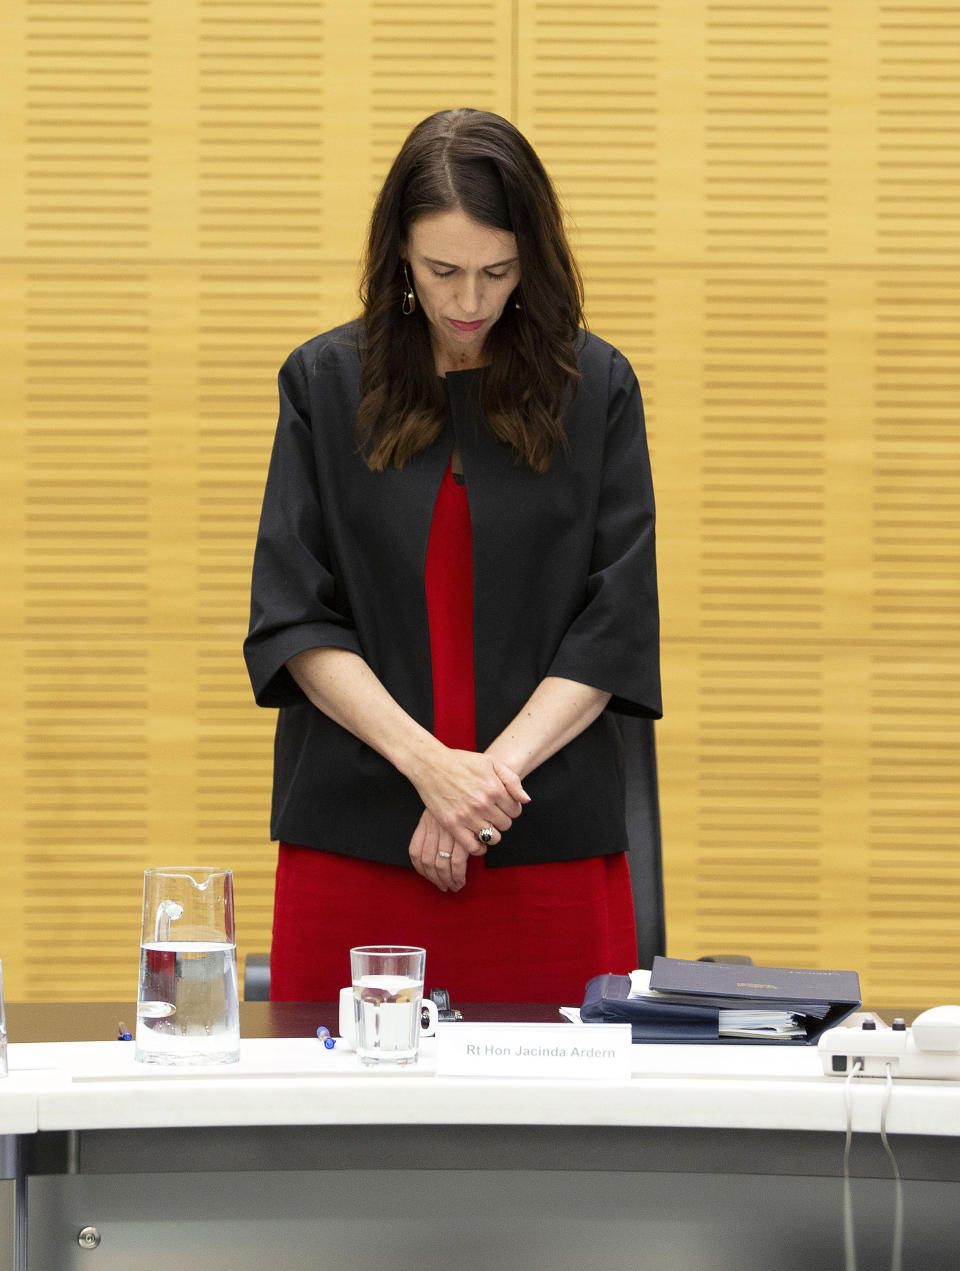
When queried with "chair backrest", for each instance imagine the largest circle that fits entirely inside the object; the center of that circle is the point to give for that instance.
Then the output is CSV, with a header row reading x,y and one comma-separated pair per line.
x,y
643,835
256,977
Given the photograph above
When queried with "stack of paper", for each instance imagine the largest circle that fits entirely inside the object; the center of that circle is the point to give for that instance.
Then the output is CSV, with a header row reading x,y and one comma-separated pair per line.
x,y
733,1021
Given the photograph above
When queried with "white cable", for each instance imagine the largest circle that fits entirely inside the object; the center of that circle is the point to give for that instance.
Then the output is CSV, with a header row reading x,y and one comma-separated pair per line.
x,y
896,1250
849,1243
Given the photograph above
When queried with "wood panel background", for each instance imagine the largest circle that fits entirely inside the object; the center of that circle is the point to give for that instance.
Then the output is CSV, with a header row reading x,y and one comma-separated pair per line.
x,y
765,199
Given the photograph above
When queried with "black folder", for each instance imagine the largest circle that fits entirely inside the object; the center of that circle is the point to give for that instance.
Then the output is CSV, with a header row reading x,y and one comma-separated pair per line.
x,y
697,991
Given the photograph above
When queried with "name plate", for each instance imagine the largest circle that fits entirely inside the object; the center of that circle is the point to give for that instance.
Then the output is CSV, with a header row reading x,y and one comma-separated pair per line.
x,y
596,1051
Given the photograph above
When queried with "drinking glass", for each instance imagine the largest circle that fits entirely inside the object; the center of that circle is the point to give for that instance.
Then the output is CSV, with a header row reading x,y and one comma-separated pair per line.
x,y
188,1009
387,997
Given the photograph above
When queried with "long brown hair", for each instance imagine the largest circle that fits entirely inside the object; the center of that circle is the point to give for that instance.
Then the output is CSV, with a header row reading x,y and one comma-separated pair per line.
x,y
481,164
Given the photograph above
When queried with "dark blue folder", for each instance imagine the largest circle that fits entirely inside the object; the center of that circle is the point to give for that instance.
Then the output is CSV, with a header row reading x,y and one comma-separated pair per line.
x,y
606,1002
698,990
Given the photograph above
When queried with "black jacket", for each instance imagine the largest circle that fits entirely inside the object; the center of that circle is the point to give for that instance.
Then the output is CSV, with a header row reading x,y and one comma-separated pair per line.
x,y
564,584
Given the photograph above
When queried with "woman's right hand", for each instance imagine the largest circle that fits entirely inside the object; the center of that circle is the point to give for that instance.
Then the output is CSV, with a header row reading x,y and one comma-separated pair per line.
x,y
467,792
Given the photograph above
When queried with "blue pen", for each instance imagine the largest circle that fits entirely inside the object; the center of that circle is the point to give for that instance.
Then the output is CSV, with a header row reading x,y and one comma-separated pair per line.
x,y
324,1034
122,1034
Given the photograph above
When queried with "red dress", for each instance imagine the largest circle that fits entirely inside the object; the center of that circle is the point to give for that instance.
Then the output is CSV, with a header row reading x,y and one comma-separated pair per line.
x,y
525,933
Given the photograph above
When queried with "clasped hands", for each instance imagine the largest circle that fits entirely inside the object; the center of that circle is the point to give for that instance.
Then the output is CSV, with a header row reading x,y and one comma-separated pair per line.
x,y
462,793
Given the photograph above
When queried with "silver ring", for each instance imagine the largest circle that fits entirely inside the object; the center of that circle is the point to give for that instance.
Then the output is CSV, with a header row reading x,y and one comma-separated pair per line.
x,y
486,834
445,855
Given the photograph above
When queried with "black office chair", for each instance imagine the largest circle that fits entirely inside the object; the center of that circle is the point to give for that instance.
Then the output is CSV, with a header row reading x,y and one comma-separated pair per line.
x,y
643,835
256,978
646,844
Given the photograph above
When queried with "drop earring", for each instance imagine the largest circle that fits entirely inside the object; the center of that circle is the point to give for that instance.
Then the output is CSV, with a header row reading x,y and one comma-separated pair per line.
x,y
409,296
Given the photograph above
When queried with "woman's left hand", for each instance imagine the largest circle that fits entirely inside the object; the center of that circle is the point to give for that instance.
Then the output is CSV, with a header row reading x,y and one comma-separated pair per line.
x,y
437,856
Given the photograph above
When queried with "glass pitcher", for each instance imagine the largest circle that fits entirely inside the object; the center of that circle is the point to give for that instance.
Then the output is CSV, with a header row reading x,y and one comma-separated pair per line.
x,y
3,1030
187,1003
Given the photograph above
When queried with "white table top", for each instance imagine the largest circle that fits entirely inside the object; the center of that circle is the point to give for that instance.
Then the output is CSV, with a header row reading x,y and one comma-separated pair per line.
x,y
295,1081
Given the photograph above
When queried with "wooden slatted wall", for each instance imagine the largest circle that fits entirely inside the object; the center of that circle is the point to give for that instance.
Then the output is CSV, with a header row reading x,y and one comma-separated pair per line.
x,y
765,201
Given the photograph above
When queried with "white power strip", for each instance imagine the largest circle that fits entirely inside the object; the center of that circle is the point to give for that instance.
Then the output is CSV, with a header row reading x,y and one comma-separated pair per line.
x,y
930,1049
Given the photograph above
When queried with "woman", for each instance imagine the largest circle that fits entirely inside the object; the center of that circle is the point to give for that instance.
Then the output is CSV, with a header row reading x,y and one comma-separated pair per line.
x,y
454,588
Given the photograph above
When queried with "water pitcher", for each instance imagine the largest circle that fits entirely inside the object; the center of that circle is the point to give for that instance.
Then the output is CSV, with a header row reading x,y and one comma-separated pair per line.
x,y
187,1004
